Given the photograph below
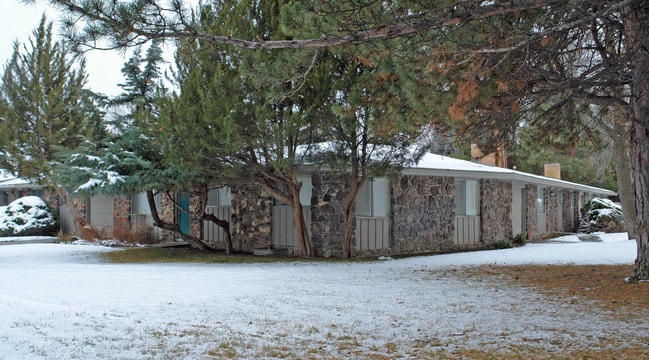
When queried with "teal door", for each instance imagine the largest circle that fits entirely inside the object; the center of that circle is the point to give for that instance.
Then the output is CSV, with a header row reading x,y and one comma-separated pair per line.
x,y
183,212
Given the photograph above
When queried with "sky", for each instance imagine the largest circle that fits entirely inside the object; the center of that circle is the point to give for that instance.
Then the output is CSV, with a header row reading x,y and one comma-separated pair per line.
x,y
18,20
63,301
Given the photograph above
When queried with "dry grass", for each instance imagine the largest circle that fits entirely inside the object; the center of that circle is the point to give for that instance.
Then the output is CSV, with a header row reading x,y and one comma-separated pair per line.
x,y
603,284
600,288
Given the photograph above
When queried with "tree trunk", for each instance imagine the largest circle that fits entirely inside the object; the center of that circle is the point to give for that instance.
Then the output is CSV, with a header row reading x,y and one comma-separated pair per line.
x,y
348,229
637,37
350,214
305,248
173,227
85,229
225,225
640,172
618,135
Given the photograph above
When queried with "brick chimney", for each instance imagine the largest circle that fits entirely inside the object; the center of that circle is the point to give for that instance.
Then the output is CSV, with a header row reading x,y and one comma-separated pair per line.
x,y
493,159
552,171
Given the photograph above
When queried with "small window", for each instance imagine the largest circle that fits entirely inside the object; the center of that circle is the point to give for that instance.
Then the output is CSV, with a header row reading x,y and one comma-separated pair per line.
x,y
220,197
373,200
306,191
540,200
4,198
467,197
140,204
36,192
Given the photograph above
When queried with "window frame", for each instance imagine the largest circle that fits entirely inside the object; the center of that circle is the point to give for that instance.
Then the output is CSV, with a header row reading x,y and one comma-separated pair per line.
x,y
467,197
541,206
220,196
373,199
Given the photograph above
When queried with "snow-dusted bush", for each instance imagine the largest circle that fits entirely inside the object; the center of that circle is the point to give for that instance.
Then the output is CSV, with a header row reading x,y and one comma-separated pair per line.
x,y
27,216
602,215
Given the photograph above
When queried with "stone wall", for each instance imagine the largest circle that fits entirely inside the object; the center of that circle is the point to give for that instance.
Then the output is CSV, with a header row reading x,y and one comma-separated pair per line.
x,y
568,225
531,218
576,213
495,211
423,210
167,213
551,210
251,217
121,218
52,200
195,211
328,212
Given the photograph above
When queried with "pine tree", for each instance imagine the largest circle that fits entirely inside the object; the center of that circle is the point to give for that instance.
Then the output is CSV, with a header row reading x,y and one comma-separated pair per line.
x,y
129,159
45,110
246,115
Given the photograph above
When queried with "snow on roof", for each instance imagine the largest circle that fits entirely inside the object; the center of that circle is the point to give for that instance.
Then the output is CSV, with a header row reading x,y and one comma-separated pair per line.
x,y
8,180
439,163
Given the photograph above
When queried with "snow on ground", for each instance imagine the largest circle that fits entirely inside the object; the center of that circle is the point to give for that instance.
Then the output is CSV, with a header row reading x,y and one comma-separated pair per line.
x,y
61,301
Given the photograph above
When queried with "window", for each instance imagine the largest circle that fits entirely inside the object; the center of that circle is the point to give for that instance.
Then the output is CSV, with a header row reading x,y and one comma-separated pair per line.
x,y
140,204
540,200
36,192
220,197
373,200
306,191
467,197
4,198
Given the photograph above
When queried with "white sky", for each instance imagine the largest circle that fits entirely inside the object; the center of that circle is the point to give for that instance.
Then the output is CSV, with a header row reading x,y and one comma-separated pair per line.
x,y
18,20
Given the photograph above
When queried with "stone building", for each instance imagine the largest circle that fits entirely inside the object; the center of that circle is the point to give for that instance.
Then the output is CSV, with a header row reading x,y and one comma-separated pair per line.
x,y
441,204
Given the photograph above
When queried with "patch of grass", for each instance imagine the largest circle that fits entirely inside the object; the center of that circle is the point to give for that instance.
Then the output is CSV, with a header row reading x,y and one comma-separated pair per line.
x,y
183,255
146,255
224,351
603,284
522,352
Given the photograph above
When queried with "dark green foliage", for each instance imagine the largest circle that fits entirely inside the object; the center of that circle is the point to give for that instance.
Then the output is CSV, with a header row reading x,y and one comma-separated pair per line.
x,y
520,239
43,105
503,244
127,159
583,159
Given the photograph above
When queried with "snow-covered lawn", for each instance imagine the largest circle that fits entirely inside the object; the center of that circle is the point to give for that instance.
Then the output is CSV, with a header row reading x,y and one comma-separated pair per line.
x,y
62,302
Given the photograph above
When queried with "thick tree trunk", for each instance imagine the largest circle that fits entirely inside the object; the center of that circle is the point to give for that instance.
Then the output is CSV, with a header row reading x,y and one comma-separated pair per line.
x,y
618,134
640,172
305,248
350,215
85,229
348,229
637,37
304,245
